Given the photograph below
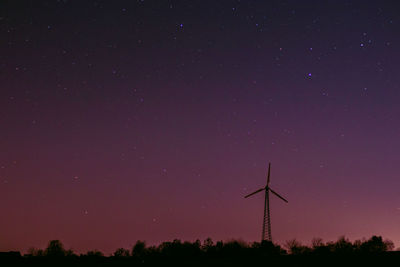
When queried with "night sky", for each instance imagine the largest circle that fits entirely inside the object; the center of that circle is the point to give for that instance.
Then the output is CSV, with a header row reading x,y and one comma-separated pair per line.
x,y
151,120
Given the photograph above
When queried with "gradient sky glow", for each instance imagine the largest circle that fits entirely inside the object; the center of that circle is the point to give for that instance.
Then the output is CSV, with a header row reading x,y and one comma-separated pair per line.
x,y
127,120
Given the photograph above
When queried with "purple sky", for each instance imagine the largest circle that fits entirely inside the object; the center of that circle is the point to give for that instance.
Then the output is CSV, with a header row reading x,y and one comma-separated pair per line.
x,y
127,120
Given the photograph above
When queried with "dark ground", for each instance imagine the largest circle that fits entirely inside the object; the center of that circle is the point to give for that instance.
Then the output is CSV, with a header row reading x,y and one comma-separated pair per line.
x,y
384,259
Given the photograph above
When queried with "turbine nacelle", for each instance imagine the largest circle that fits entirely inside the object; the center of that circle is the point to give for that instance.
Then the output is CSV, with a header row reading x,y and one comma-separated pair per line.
x,y
267,188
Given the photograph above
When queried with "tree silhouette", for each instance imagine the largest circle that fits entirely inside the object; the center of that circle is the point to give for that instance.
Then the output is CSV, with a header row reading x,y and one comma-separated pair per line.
x,y
94,254
207,244
55,249
296,248
320,248
376,245
317,242
389,245
35,252
139,249
343,246
121,253
269,248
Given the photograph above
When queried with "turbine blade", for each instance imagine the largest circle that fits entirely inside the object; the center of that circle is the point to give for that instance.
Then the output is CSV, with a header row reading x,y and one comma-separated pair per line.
x,y
269,173
276,194
255,192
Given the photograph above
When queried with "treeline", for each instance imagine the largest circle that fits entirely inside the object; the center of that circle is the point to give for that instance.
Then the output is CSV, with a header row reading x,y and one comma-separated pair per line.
x,y
178,248
231,252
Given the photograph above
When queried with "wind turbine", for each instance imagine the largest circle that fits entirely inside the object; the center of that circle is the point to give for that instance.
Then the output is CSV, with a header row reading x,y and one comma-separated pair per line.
x,y
266,229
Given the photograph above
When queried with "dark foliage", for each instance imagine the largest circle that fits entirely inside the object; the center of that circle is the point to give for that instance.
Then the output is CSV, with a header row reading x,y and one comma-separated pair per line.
x,y
374,251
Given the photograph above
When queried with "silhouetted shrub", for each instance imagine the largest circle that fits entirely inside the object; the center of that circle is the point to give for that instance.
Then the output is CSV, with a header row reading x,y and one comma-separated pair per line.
x,y
389,245
55,249
34,252
376,245
207,244
317,242
176,249
94,254
343,246
269,248
121,253
139,249
296,248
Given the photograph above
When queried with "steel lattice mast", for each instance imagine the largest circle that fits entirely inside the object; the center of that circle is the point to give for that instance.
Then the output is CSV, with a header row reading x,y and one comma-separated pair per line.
x,y
266,229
